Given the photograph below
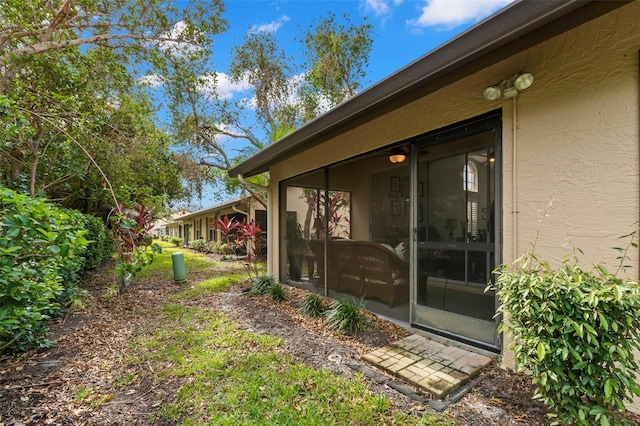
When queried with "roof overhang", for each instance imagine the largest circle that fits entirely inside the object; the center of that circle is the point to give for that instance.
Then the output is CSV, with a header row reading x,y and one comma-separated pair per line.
x,y
515,28
219,207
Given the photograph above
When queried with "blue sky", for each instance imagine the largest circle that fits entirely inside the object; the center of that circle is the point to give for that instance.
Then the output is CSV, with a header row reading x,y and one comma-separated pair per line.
x,y
403,31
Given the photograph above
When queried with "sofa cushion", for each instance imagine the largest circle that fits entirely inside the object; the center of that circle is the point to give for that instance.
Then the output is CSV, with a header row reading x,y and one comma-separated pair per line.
x,y
402,252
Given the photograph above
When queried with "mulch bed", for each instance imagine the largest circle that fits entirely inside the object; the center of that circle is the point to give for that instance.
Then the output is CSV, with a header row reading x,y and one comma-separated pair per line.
x,y
77,380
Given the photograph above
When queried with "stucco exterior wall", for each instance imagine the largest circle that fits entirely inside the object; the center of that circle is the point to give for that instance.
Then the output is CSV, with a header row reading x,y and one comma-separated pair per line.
x,y
573,136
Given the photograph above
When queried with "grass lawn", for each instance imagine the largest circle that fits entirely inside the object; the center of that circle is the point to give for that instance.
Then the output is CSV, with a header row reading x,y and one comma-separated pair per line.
x,y
232,376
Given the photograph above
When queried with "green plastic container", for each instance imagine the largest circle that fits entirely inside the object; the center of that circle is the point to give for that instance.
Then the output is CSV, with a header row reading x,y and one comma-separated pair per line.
x,y
179,271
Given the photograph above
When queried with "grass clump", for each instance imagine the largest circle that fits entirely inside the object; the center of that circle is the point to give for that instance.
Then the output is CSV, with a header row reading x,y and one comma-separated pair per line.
x,y
313,306
209,286
261,286
277,292
346,316
266,285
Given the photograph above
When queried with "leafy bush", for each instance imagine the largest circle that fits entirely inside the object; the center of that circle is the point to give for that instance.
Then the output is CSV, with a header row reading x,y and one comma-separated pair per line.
x,y
176,241
313,305
222,248
210,247
346,316
262,285
204,246
41,257
575,331
101,245
199,245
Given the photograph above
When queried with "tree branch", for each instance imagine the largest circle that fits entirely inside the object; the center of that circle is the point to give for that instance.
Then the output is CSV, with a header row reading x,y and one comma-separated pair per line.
x,y
64,10
43,47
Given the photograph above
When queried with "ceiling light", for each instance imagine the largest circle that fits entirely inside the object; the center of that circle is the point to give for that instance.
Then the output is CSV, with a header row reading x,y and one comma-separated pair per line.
x,y
397,158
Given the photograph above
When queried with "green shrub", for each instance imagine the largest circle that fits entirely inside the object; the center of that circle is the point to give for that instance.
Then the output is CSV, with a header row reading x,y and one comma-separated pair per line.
x,y
222,248
176,241
41,258
210,247
313,306
262,285
199,245
101,245
346,316
575,332
277,292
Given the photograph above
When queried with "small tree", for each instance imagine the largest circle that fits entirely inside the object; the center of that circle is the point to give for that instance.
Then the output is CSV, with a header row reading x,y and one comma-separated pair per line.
x,y
134,245
243,237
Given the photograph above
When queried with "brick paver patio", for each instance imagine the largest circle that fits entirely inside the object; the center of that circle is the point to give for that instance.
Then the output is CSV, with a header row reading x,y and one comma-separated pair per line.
x,y
433,366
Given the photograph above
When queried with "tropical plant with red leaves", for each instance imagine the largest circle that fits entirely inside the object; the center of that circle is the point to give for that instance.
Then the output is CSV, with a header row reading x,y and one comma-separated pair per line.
x,y
243,237
133,242
338,203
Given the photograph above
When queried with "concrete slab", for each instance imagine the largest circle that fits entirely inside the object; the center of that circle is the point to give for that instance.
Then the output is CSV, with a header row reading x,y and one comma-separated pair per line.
x,y
432,366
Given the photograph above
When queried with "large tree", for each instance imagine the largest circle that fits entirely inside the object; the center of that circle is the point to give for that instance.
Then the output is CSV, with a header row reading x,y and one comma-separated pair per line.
x,y
336,57
217,133
73,118
142,31
284,92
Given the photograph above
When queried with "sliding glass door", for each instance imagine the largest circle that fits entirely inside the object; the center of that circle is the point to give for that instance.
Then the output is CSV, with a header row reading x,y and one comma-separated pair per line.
x,y
456,234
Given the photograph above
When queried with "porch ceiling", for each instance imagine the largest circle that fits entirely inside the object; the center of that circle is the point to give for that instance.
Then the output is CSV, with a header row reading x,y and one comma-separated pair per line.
x,y
518,27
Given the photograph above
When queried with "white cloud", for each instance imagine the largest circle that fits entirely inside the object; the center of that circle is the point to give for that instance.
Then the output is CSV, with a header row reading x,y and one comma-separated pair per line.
x,y
451,13
175,45
151,80
221,85
216,85
292,96
177,30
379,7
271,27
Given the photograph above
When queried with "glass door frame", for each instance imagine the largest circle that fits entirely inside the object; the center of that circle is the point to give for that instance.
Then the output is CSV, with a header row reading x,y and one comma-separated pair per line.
x,y
488,122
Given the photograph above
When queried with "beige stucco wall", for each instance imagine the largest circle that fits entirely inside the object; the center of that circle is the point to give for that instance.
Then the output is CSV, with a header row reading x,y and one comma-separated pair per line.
x,y
574,137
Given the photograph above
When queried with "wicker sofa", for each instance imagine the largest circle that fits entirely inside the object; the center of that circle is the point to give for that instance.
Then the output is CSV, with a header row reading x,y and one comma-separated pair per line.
x,y
364,269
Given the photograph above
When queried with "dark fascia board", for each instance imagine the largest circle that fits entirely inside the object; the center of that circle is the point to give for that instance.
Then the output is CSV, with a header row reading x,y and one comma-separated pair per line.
x,y
212,209
517,27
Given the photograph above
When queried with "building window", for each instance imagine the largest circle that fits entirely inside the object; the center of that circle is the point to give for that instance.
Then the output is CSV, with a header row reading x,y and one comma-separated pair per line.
x,y
470,177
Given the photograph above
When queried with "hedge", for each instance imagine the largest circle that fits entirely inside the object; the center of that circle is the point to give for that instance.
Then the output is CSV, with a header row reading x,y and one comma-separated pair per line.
x,y
44,250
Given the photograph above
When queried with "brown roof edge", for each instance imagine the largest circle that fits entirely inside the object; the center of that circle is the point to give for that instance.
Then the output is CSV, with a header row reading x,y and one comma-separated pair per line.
x,y
504,30
222,206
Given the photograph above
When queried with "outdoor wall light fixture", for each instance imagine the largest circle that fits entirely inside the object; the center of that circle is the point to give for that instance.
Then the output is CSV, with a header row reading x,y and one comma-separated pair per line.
x,y
510,87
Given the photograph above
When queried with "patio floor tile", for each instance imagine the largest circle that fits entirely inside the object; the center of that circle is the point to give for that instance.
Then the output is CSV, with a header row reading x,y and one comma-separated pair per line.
x,y
435,367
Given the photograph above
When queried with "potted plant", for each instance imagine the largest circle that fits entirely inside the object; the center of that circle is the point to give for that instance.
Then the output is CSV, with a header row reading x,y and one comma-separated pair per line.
x,y
296,248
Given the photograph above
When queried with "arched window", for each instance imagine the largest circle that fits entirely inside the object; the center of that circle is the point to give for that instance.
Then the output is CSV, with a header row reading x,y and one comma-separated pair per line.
x,y
470,177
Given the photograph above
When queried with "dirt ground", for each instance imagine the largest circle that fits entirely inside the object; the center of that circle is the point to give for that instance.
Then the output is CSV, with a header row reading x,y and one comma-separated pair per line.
x,y
76,381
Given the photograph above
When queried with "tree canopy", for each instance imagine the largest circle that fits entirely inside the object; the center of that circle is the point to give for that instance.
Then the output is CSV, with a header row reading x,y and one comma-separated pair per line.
x,y
283,93
76,125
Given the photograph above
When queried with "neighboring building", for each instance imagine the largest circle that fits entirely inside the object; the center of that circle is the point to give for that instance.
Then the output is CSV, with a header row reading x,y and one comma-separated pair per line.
x,y
446,165
201,224
160,226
